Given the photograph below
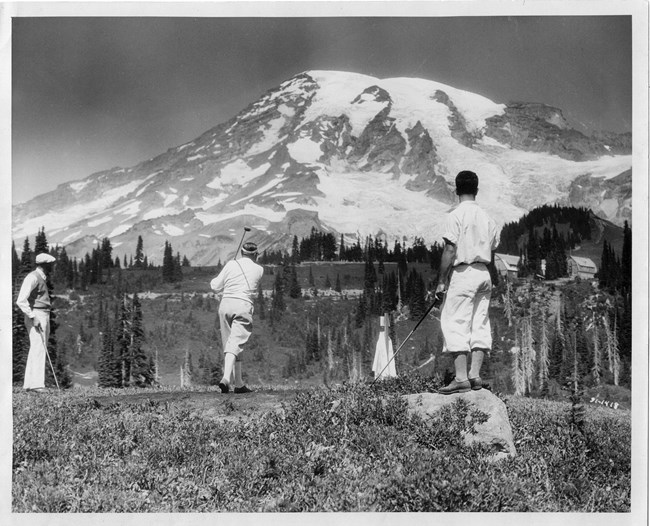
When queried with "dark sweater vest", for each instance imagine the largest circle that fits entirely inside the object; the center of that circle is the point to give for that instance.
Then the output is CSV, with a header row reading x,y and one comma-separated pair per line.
x,y
39,298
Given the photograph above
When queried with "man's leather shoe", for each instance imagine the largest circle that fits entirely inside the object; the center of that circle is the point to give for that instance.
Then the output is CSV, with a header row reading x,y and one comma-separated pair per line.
x,y
456,387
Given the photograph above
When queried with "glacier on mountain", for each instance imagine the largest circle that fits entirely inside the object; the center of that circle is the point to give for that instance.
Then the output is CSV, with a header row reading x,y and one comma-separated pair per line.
x,y
349,153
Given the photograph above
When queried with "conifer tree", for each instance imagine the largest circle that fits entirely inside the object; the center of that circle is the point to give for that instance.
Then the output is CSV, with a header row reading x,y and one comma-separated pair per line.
x,y
295,251
187,370
27,257
596,369
123,342
361,312
611,346
261,303
337,286
369,276
168,266
278,305
544,350
626,260
139,254
40,243
109,365
15,261
57,357
140,370
178,272
294,287
417,301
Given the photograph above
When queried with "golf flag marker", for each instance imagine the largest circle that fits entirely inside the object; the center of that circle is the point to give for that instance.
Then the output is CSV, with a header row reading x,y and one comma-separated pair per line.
x,y
383,365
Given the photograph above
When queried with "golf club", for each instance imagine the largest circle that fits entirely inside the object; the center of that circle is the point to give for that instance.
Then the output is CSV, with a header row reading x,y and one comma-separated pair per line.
x,y
246,229
48,358
437,302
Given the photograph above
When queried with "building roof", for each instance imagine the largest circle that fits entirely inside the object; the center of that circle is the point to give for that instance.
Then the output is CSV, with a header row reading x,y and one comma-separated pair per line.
x,y
584,262
509,261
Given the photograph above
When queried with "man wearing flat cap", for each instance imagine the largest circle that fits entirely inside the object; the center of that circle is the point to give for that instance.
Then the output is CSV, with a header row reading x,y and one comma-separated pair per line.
x,y
236,286
34,301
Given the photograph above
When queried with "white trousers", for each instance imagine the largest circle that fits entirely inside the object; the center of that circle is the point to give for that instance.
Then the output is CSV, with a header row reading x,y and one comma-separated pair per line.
x,y
236,320
35,367
464,317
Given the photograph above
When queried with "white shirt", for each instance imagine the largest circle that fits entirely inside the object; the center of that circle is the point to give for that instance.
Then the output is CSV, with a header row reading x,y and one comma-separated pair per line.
x,y
238,279
473,232
29,283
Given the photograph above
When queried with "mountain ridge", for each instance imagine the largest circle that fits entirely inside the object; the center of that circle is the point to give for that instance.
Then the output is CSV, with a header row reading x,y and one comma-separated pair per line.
x,y
344,152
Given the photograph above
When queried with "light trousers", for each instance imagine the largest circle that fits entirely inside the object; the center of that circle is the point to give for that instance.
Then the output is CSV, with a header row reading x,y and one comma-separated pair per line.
x,y
464,316
236,320
35,367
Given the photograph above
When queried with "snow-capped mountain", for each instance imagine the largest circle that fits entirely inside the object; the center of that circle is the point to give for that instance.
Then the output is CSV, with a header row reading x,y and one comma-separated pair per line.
x,y
345,153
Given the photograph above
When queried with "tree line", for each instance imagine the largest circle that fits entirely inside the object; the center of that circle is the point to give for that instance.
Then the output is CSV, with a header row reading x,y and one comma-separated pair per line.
x,y
542,237
120,363
322,246
122,360
97,266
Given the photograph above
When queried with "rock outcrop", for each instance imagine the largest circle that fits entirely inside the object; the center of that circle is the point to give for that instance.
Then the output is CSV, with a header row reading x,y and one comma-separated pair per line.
x,y
496,431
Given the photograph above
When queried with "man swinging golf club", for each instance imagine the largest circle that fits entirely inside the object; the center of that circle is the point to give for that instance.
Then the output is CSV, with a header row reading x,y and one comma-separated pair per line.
x,y
34,300
470,238
236,286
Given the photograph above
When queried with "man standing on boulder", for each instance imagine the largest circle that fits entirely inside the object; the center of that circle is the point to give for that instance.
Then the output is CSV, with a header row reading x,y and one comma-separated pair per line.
x,y
236,286
470,237
34,300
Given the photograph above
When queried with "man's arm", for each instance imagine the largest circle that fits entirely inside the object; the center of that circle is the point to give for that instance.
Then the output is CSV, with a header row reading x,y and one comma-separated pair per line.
x,y
446,263
22,301
218,283
29,283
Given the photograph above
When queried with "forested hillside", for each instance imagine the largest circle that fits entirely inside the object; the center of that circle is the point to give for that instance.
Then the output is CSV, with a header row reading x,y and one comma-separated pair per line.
x,y
129,323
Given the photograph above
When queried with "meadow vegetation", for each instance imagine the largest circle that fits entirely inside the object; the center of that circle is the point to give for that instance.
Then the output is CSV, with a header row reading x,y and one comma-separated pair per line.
x,y
349,448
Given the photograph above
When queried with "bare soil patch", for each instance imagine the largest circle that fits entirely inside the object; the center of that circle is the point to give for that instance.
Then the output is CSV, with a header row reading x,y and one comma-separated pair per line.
x,y
209,404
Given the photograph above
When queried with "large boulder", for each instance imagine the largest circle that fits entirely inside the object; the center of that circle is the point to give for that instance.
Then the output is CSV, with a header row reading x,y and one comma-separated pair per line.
x,y
496,431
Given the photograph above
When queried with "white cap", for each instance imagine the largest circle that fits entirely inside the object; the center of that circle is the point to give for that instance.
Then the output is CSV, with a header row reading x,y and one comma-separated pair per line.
x,y
44,258
249,249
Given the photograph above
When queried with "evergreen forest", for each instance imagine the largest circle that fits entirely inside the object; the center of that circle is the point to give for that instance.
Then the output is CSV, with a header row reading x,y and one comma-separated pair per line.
x,y
316,313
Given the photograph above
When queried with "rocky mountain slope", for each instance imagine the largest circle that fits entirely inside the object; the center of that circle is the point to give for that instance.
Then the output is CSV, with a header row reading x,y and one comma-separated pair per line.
x,y
344,153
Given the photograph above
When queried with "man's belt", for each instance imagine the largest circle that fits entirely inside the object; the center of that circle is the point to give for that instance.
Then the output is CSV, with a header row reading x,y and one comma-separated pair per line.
x,y
470,264
42,308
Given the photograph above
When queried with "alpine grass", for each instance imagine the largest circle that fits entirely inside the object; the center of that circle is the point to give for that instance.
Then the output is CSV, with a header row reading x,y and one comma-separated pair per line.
x,y
346,448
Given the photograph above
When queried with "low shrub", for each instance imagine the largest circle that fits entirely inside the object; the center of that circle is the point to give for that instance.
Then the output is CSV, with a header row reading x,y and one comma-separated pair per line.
x,y
353,448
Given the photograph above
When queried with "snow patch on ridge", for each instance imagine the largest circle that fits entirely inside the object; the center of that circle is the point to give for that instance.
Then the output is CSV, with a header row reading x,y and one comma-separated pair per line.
x,y
98,222
261,190
120,229
157,212
249,209
71,237
73,214
238,173
271,131
77,187
172,230
305,150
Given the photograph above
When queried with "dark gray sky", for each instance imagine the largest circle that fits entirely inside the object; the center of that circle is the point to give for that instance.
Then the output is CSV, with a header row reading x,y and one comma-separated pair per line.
x,y
92,93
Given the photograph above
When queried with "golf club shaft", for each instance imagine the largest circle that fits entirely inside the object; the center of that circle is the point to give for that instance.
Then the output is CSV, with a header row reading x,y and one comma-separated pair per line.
x,y
241,241
49,360
405,340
